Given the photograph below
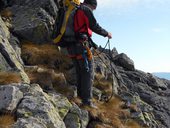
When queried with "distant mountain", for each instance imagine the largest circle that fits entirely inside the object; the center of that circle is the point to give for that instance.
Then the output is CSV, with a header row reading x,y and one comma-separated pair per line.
x,y
165,75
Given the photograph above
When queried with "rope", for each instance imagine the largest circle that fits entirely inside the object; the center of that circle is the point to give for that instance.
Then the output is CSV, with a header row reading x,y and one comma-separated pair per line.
x,y
108,42
111,71
111,68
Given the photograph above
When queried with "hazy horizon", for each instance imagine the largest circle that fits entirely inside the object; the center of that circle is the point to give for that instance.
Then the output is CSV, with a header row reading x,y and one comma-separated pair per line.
x,y
165,75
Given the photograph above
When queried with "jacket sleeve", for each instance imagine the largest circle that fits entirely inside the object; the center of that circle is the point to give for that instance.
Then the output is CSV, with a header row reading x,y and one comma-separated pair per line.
x,y
94,26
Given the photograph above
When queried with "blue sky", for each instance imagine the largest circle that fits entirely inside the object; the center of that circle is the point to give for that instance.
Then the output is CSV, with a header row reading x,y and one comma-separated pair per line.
x,y
140,29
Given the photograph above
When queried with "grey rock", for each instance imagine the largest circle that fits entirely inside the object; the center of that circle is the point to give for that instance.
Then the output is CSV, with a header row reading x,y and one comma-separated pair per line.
x,y
102,65
124,61
76,118
33,20
48,5
144,115
112,52
9,53
3,4
32,24
16,46
61,103
23,87
97,93
30,122
156,82
108,70
10,96
37,104
72,121
152,90
4,66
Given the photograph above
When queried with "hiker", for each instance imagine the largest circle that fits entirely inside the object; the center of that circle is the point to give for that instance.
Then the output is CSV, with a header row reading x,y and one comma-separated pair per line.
x,y
77,39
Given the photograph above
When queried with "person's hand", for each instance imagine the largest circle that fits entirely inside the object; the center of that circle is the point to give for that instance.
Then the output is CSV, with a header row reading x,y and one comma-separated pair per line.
x,y
109,35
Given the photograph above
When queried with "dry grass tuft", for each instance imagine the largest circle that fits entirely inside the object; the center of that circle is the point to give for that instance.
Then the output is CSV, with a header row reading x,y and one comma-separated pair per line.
x,y
9,77
35,54
48,79
76,100
131,124
99,125
101,83
110,112
115,112
102,126
59,79
6,120
45,54
6,13
65,90
47,57
134,108
41,76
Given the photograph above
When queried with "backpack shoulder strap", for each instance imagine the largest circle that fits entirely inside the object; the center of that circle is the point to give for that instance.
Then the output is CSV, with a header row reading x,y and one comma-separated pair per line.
x,y
70,8
63,27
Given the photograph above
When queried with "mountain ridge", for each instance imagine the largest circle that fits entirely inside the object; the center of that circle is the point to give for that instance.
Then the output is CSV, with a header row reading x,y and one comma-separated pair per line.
x,y
37,101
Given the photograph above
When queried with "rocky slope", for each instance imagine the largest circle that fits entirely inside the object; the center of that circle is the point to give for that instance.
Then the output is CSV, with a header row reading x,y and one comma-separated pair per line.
x,y
35,78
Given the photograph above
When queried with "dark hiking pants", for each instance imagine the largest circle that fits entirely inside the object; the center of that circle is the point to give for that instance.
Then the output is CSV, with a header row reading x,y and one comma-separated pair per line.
x,y
84,77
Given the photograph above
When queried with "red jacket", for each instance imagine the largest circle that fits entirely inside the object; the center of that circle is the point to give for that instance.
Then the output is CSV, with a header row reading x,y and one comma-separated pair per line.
x,y
85,22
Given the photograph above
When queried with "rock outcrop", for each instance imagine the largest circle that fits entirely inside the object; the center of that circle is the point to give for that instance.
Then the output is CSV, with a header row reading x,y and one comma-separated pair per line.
x,y
37,107
10,58
145,96
33,19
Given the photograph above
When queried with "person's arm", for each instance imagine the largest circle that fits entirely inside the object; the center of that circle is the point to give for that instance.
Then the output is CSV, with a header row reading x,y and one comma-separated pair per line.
x,y
94,26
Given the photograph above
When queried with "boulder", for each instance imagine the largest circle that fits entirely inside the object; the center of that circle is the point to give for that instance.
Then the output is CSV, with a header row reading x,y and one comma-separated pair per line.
x,y
3,3
97,93
153,91
124,61
9,53
104,66
15,43
76,118
61,103
34,25
10,96
143,113
37,106
156,82
33,20
29,122
48,5
112,52
4,66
